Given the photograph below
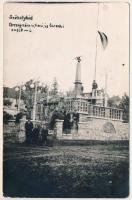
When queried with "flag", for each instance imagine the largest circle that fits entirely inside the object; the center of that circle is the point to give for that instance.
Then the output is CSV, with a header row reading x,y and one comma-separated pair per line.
x,y
104,39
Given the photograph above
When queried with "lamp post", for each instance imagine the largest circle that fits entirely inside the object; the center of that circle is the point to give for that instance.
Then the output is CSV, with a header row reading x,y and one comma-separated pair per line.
x,y
20,88
35,86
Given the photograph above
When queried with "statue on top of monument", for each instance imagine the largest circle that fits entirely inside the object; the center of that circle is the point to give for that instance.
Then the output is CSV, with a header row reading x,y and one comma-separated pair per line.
x,y
78,58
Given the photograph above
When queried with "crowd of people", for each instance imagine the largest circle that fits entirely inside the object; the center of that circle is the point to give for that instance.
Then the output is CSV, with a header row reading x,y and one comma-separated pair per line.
x,y
36,134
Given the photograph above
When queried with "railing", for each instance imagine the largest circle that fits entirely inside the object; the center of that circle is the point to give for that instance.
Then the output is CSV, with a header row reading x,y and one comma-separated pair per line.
x,y
82,106
107,112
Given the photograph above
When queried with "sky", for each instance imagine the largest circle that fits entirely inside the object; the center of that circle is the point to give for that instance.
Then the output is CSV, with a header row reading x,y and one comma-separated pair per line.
x,y
49,53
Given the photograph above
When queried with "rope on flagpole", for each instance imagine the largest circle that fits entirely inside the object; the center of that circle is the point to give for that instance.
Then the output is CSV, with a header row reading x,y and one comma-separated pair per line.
x,y
96,42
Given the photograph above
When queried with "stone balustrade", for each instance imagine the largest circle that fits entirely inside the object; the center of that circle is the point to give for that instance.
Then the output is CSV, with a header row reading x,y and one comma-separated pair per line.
x,y
94,110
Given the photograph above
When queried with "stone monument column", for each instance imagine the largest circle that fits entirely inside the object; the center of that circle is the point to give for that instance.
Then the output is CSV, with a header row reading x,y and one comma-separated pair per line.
x,y
78,84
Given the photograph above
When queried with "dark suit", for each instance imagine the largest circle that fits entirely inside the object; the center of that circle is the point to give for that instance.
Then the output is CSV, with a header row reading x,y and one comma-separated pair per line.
x,y
44,134
28,130
35,135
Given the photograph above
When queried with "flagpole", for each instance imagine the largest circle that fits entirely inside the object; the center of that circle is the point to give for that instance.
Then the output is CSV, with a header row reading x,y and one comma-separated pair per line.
x,y
106,77
96,43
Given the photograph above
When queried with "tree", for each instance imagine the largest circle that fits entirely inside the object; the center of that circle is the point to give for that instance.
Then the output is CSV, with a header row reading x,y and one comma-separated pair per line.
x,y
18,117
7,102
70,93
9,92
44,89
114,101
57,114
124,104
54,90
7,117
27,95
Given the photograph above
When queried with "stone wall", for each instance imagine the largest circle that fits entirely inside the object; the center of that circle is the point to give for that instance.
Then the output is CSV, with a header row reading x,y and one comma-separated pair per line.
x,y
96,129
10,132
13,132
90,129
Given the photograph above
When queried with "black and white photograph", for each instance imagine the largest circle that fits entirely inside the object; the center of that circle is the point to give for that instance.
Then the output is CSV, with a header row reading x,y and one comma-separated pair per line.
x,y
66,100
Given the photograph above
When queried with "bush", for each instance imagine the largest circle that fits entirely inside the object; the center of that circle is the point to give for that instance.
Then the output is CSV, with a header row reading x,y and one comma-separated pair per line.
x,y
18,117
7,102
7,117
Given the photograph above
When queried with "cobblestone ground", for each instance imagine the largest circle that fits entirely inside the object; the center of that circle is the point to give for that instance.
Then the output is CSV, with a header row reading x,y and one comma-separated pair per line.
x,y
97,170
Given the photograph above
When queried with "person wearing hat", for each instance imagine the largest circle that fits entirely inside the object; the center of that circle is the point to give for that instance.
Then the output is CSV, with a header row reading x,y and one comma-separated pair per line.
x,y
28,130
44,134
35,134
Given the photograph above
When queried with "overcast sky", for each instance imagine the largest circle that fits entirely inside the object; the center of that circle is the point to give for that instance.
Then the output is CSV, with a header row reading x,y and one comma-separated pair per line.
x,y
49,53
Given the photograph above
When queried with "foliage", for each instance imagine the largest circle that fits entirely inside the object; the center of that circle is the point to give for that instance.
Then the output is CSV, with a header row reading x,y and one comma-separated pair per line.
x,y
70,93
18,117
54,90
124,104
7,102
28,94
9,92
7,117
114,101
56,115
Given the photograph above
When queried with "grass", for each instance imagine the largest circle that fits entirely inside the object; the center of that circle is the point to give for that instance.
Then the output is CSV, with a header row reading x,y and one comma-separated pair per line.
x,y
94,170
